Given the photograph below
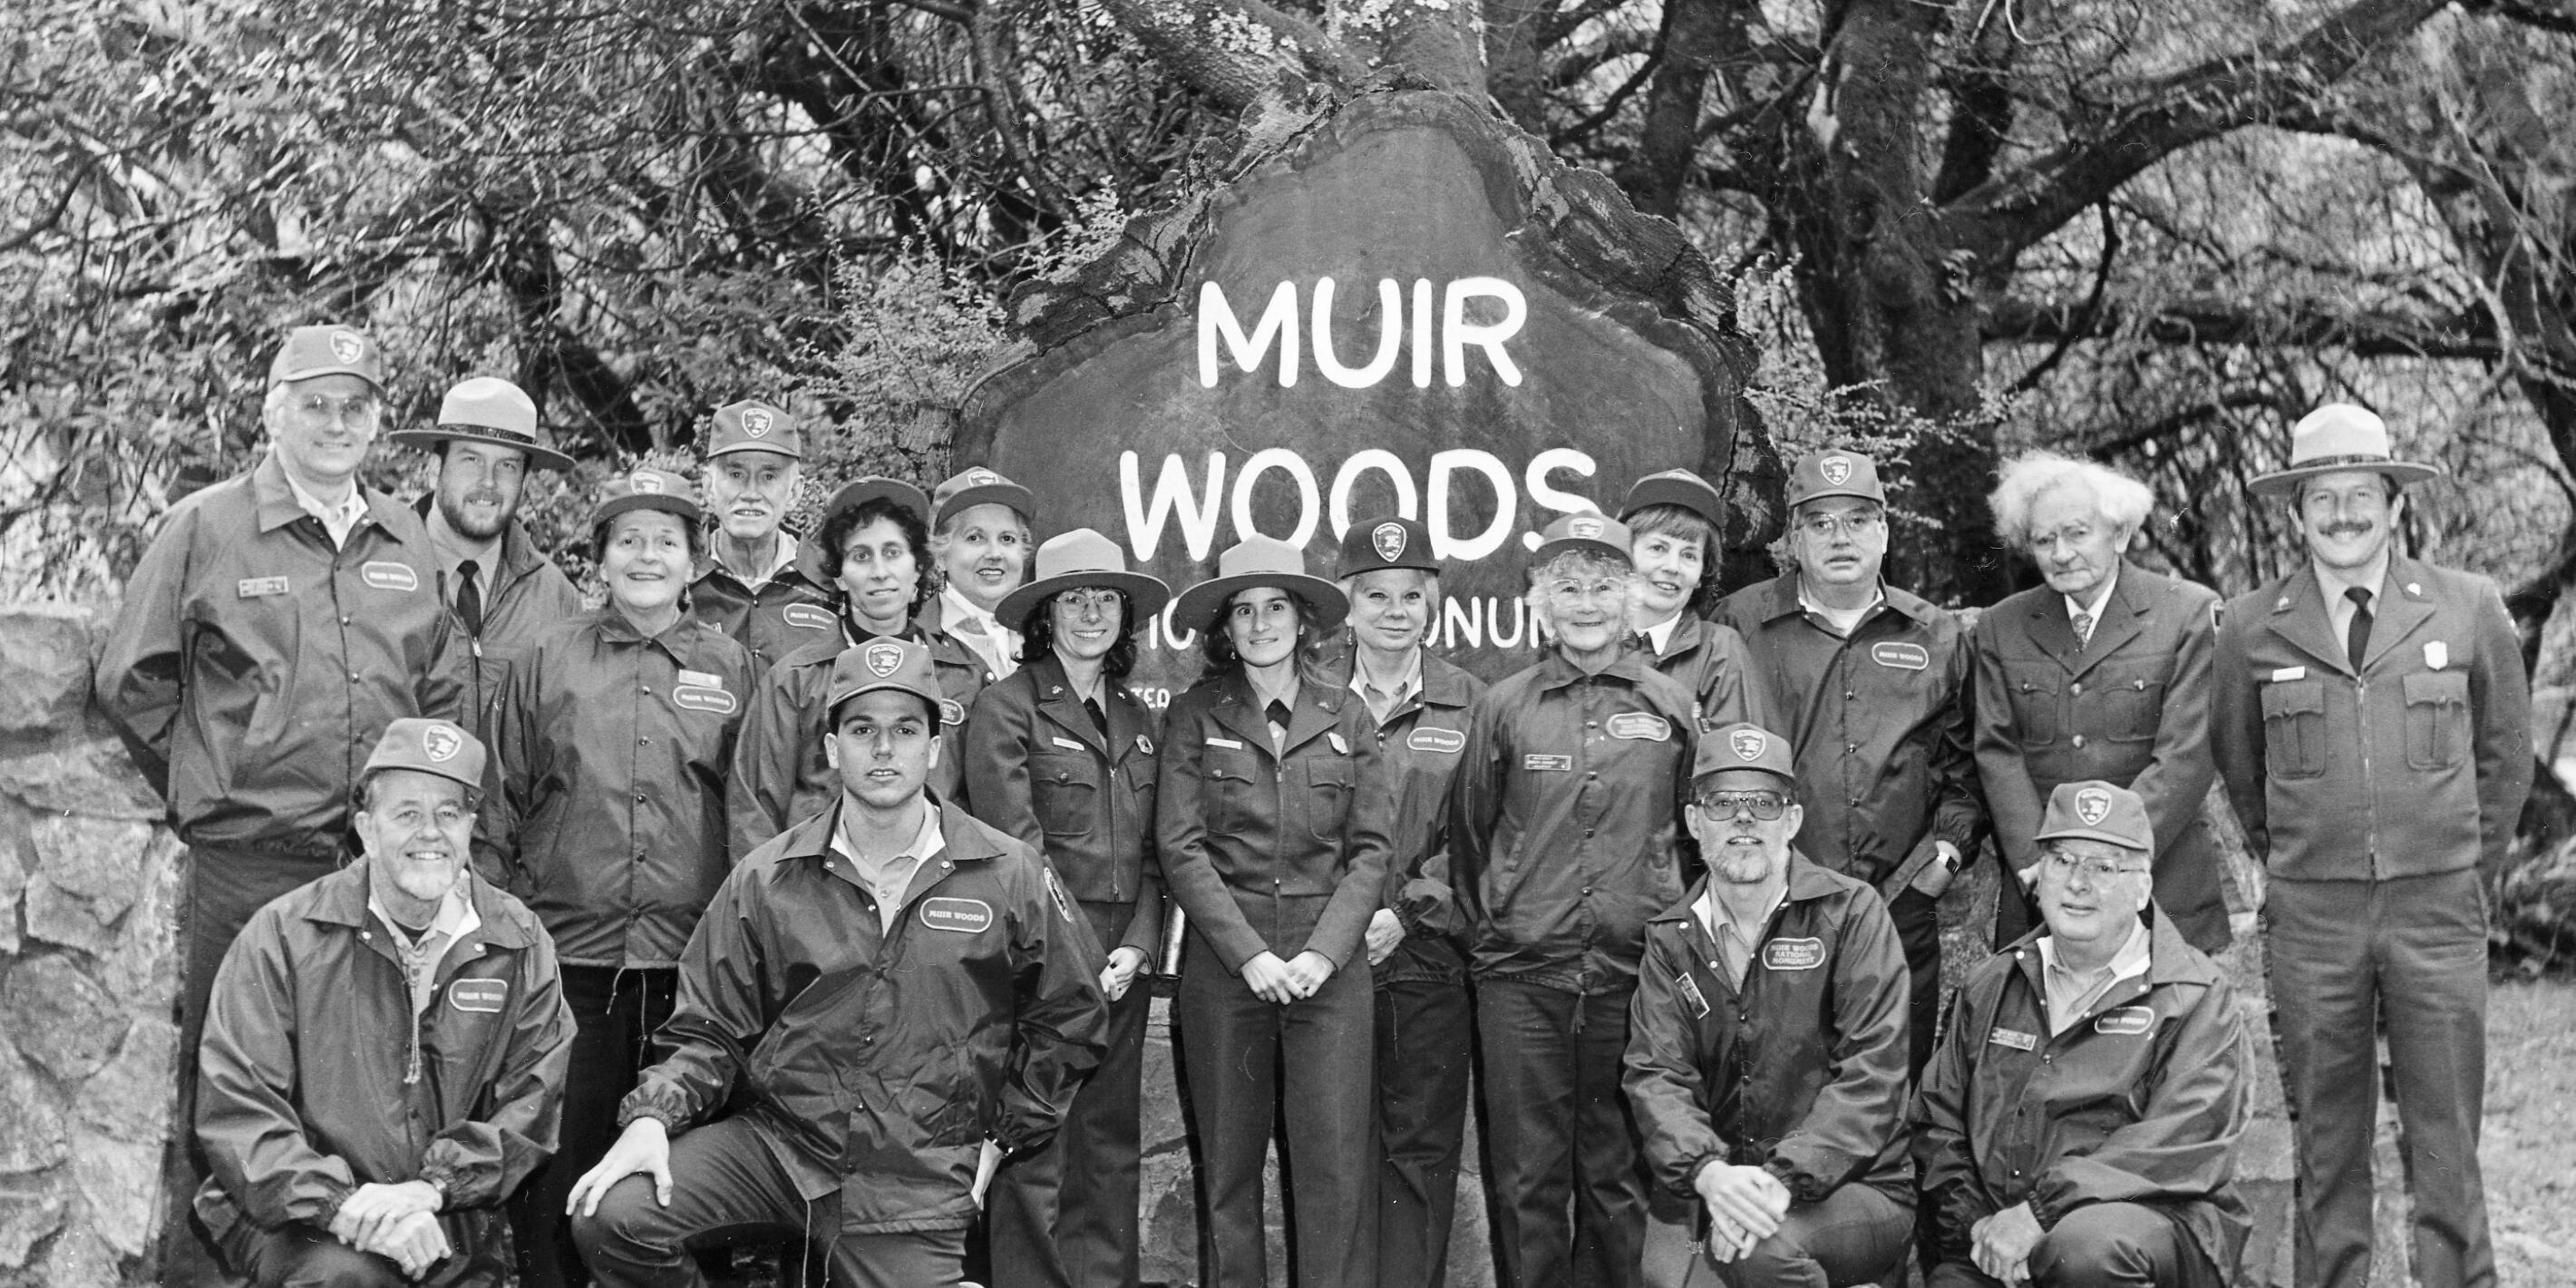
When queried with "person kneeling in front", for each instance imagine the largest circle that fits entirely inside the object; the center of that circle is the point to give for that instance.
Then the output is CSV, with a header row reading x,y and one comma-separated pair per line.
x,y
902,996
2079,1125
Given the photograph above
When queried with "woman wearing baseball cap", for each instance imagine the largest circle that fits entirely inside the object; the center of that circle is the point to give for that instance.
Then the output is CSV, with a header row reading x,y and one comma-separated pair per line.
x,y
610,746
1060,753
1273,831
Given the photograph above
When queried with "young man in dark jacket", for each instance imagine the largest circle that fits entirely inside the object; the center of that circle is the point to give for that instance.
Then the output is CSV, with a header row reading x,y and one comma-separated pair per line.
x,y
1766,1045
2079,1125
384,1056
897,993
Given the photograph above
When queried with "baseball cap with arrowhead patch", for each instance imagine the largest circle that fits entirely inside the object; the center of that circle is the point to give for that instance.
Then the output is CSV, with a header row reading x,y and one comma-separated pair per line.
x,y
312,351
755,426
645,488
1743,746
882,663
979,486
1834,472
2097,811
1392,542
440,747
1583,530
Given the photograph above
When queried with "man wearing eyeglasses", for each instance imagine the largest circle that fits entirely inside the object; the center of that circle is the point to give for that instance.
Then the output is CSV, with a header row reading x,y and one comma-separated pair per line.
x,y
2080,1124
1766,1046
276,625
1564,837
1873,683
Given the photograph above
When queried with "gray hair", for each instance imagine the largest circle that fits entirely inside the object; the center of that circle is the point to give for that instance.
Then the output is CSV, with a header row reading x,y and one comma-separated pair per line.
x,y
2121,501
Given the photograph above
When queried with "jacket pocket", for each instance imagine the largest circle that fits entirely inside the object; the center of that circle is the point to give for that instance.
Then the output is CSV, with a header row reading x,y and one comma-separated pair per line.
x,y
2034,707
2437,718
2294,729
1065,793
2132,707
1228,791
1329,782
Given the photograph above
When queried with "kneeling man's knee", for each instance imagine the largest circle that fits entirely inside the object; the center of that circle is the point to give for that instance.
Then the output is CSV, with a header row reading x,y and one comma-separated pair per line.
x,y
627,1226
2104,1243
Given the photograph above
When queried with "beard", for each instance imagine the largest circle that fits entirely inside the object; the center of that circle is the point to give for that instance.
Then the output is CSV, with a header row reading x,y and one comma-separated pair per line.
x,y
1740,867
453,509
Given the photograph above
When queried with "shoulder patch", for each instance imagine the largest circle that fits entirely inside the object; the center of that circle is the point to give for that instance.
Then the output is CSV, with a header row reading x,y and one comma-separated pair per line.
x,y
1793,954
1900,655
2125,1021
1055,892
1639,724
1447,742
479,996
807,617
384,574
958,916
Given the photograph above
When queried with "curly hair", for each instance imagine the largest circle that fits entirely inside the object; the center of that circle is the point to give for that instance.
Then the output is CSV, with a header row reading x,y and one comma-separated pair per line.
x,y
2121,501
1037,636
916,537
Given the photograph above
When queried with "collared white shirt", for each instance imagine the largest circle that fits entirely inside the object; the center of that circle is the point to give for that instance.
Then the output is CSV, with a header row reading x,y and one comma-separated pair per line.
x,y
2071,995
1725,931
1262,698
1660,635
783,557
888,880
451,551
2333,582
997,644
1837,620
455,919
2100,598
1382,703
338,520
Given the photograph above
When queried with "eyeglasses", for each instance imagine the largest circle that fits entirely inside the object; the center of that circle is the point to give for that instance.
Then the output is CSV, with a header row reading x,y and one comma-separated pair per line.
x,y
358,409
1764,806
1823,526
1074,601
2094,870
1576,592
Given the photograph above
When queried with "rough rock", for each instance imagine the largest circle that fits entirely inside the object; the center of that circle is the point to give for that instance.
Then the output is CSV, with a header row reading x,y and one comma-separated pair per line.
x,y
29,1211
129,1098
44,667
80,1259
32,1135
93,777
60,1018
13,873
88,873
120,1180
143,966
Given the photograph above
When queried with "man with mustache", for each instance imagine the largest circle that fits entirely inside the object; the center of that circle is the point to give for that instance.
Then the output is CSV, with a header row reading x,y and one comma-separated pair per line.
x,y
384,1058
1766,1050
1871,683
2371,722
500,589
751,585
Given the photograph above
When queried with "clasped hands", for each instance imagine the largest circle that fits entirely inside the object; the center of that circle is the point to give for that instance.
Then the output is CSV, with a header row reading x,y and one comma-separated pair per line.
x,y
1745,1205
1273,980
396,1222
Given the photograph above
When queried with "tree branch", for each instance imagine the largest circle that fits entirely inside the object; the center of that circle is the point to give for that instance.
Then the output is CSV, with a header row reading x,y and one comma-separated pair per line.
x,y
2008,213
2467,335
1238,52
2559,17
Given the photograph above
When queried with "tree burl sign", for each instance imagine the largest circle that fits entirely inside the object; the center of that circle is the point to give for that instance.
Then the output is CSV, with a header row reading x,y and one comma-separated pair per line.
x,y
1410,307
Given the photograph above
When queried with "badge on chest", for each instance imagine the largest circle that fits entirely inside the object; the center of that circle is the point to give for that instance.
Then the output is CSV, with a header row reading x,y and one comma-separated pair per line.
x,y
958,916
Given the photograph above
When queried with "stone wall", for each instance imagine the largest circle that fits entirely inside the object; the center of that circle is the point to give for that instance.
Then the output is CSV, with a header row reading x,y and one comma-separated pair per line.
x,y
88,875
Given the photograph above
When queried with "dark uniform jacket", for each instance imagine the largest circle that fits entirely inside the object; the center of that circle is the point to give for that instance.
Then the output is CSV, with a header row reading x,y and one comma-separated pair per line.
x,y
1713,662
301,1097
253,666
1879,720
872,1063
1039,770
1802,1073
2418,765
1565,821
1420,747
2141,1100
934,626
610,751
1273,851
789,611
2131,707
529,596
779,774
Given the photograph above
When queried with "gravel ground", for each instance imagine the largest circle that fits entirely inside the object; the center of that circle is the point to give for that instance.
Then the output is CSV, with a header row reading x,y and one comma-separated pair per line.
x,y
2529,1149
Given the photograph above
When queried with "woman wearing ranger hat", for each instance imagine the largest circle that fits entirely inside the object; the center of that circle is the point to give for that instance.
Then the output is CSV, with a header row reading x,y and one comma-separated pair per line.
x,y
611,743
1060,754
874,551
1273,830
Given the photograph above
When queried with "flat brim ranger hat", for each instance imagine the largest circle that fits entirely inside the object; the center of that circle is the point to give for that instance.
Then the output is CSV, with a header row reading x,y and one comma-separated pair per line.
x,y
2335,438
1077,559
487,409
1260,561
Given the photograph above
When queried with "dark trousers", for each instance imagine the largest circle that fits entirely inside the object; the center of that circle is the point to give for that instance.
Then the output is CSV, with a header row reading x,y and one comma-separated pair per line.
x,y
1426,1035
224,887
725,1184
1250,1066
303,1256
1569,1185
1856,1235
2348,960
615,1012
1066,1213
1918,930
2103,1245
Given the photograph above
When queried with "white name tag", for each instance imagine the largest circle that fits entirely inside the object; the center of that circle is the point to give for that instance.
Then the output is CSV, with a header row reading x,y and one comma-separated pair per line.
x,y
259,587
2014,1038
708,678
1227,743
2289,673
1068,744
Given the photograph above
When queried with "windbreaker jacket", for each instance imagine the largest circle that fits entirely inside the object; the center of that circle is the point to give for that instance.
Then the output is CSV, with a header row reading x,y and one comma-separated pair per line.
x,y
1882,740
1039,770
2131,707
2415,766
1714,663
872,1063
1273,851
1565,820
300,1091
1802,1073
609,758
530,595
2144,1099
788,612
253,666
779,774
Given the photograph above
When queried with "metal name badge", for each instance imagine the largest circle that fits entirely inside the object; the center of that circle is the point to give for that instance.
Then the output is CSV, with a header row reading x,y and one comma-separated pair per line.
x,y
2437,654
2014,1038
2283,675
1553,764
1697,999
1067,743
259,587
1227,743
708,679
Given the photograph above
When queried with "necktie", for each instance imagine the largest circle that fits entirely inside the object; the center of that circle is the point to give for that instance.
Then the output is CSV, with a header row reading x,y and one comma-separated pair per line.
x,y
2356,637
2083,624
469,598
1100,718
1277,714
1642,642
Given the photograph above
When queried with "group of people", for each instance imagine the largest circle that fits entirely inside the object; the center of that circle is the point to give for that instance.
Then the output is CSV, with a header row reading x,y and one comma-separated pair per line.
x,y
812,884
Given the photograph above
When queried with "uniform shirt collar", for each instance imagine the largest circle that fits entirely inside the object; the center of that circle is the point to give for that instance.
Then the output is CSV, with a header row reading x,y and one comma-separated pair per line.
x,y
2333,582
1661,634
2101,599
338,520
889,880
782,558
455,919
2070,995
1817,612
1382,702
997,644
1713,915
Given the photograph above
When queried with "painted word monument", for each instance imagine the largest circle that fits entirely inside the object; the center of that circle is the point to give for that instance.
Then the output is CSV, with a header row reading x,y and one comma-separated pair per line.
x,y
1410,308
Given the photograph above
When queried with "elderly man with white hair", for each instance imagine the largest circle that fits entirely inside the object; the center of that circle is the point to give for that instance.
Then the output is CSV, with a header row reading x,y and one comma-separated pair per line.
x,y
2101,673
